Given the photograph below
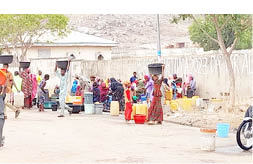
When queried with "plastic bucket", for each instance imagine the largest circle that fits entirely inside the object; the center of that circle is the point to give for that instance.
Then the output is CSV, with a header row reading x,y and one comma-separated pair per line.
x,y
155,69
99,108
88,98
208,139
223,130
143,98
139,118
89,109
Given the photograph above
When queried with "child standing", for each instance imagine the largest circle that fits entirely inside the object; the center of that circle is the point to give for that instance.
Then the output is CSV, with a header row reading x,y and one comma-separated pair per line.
x,y
42,93
2,117
128,100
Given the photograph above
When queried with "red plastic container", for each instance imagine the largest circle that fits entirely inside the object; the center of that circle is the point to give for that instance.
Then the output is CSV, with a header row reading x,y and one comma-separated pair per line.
x,y
139,118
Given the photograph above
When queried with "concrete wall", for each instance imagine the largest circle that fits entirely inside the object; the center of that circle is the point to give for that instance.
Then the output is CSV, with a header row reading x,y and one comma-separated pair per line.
x,y
209,71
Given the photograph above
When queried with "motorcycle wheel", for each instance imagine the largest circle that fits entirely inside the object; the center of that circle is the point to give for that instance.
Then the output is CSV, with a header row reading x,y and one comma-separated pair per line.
x,y
238,135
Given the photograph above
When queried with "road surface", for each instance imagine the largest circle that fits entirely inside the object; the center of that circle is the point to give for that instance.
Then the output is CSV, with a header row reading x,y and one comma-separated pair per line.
x,y
43,138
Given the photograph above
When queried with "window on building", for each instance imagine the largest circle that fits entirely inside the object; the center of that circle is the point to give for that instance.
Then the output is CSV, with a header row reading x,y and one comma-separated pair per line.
x,y
100,57
44,52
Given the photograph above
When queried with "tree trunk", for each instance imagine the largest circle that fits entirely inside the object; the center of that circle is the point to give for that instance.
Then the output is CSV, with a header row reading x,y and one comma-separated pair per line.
x,y
231,83
227,55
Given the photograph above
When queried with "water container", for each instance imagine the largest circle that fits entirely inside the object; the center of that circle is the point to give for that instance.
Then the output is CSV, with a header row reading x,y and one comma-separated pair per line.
x,y
89,109
168,95
194,99
19,99
223,130
187,104
141,109
173,105
143,98
208,139
155,69
88,98
99,108
114,108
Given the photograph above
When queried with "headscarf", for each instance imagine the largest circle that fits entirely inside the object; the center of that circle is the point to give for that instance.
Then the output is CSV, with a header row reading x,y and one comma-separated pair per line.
x,y
74,86
114,84
78,91
166,81
103,92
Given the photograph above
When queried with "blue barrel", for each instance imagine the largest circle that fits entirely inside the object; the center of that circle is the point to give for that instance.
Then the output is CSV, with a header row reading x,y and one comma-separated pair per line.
x,y
88,98
223,130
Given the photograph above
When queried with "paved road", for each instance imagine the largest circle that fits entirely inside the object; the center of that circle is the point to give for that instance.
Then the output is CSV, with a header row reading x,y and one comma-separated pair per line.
x,y
42,138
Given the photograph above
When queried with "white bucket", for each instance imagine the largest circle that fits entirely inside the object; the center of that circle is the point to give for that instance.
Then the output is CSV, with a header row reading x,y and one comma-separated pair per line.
x,y
89,109
208,139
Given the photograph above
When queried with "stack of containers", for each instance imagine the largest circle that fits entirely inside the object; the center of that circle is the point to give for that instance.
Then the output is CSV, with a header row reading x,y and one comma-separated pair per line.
x,y
88,103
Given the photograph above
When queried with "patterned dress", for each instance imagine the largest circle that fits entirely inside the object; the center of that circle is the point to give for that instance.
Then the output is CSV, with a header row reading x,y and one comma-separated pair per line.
x,y
27,88
42,96
155,111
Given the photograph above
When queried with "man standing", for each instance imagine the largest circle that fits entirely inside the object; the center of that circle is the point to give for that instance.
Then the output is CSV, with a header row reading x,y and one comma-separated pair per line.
x,y
133,78
9,100
63,75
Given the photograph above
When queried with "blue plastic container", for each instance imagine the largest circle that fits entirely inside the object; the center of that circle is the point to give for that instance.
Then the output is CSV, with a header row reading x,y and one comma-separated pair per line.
x,y
223,130
143,98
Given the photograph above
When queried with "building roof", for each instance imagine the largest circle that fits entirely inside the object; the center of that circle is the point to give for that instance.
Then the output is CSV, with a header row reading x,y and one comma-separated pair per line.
x,y
74,38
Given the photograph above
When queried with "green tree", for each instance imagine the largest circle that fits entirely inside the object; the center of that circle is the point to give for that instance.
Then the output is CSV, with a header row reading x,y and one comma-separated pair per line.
x,y
221,31
22,30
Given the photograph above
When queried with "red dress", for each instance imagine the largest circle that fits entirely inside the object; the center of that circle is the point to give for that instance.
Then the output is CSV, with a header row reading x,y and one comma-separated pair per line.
x,y
155,111
128,106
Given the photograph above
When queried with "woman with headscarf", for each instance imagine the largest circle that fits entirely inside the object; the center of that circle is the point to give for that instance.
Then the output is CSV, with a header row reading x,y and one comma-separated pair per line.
x,y
149,87
26,87
103,92
74,87
34,86
128,101
117,90
155,111
96,93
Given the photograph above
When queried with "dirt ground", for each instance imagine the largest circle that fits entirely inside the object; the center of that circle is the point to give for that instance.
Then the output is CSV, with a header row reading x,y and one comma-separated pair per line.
x,y
43,138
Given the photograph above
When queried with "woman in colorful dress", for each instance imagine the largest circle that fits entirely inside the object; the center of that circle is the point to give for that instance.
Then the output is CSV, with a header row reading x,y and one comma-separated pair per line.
x,y
149,87
34,87
26,87
117,90
128,103
96,93
42,93
155,111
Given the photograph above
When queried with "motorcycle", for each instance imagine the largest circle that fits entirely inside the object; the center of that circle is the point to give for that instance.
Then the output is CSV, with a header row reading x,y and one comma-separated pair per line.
x,y
245,131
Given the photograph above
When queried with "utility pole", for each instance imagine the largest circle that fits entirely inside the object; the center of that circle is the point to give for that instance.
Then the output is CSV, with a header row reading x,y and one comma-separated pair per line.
x,y
159,53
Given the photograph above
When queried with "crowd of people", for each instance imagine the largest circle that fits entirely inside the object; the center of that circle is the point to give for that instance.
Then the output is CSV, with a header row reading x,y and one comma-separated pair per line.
x,y
151,87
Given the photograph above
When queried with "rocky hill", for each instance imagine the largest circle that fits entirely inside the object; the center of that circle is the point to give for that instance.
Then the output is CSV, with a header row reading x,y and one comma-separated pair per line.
x,y
132,31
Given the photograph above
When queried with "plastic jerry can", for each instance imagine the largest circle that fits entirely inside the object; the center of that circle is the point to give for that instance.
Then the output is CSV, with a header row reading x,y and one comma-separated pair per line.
x,y
142,109
114,108
19,99
168,95
187,104
173,105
